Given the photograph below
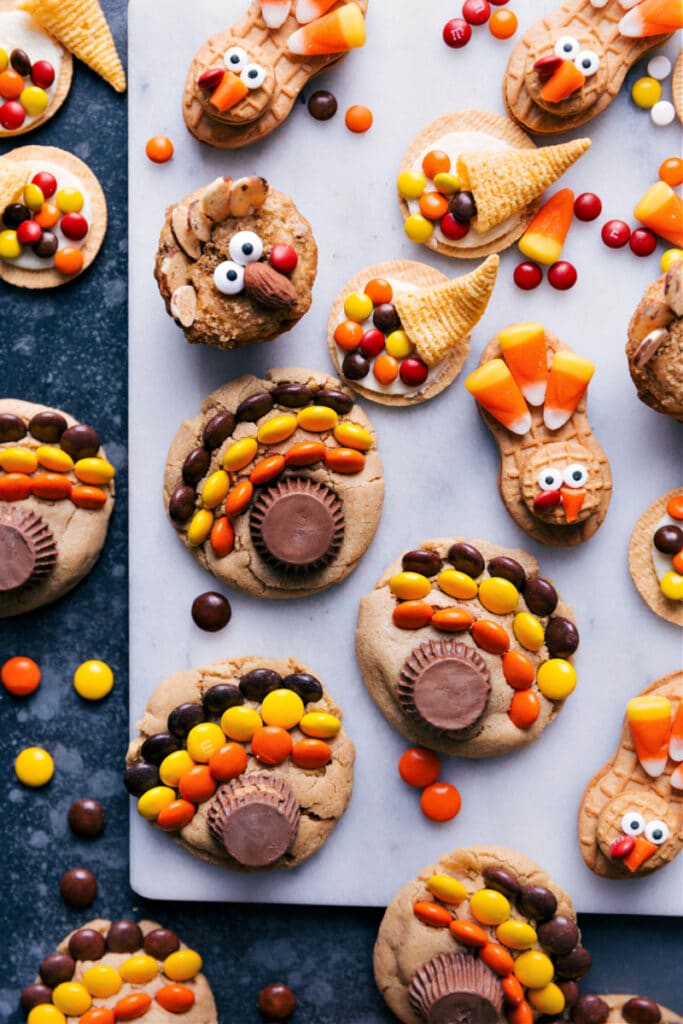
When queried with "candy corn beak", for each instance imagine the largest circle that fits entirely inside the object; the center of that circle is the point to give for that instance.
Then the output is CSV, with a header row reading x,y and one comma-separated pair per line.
x,y
562,83
572,500
642,849
228,94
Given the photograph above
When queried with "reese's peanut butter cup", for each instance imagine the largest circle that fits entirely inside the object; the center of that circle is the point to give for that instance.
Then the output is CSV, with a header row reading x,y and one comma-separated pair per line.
x,y
27,549
456,987
297,525
255,819
445,685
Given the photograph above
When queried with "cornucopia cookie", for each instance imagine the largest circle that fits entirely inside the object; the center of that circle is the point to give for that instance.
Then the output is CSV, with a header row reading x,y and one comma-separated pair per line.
x,y
655,556
655,344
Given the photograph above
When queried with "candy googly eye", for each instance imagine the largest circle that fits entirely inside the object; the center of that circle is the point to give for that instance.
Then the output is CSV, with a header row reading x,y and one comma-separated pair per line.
x,y
549,479
632,824
588,62
254,76
657,832
567,47
228,278
246,247
575,475
235,59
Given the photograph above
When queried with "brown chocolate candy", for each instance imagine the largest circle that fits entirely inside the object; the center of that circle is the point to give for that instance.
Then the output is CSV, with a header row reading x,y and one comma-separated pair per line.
x,y
292,396
182,504
508,569
276,1001
80,441
307,686
254,407
355,366
219,698
78,887
124,937
561,637
385,318
195,466
502,881
573,965
540,596
47,426
21,62
159,745
218,429
211,611
255,819
160,943
12,428
297,525
35,995
259,682
421,560
335,399
56,968
558,935
668,539
590,1010
138,778
444,684
537,901
87,944
86,818
28,552
455,987
641,1011
183,718
322,105
466,558
570,991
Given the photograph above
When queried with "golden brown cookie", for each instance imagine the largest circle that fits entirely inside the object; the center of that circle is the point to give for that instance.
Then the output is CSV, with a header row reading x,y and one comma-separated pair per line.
x,y
264,788
655,344
481,926
56,497
631,813
677,87
236,263
629,1009
654,558
462,661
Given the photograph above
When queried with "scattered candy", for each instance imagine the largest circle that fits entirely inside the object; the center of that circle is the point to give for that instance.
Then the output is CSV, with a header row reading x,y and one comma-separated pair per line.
x,y
662,113
643,242
419,767
456,33
670,257
615,234
440,801
276,1002
86,818
562,275
34,767
20,676
503,24
646,92
159,149
527,276
671,171
587,206
358,119
93,680
322,105
544,238
211,611
661,210
78,887
659,67
476,12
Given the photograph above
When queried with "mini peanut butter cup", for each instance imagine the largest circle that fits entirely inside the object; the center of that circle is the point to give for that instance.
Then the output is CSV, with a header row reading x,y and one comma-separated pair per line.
x,y
297,525
456,989
255,819
445,685
27,549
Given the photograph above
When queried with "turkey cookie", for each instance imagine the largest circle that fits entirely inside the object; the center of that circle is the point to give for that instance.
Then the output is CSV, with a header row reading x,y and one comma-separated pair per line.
x,y
276,487
622,1009
655,556
243,762
631,814
483,929
570,65
243,83
410,325
36,72
121,970
54,217
56,497
554,478
465,661
236,263
471,182
655,344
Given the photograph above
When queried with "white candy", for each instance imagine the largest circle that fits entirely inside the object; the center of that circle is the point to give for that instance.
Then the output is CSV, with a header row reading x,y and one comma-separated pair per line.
x,y
628,4
659,67
599,3
662,113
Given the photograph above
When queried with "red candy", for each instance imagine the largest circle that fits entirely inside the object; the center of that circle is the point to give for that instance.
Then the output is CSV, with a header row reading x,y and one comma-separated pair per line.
x,y
453,228
456,33
12,115
28,232
211,79
562,275
46,182
372,342
74,226
477,12
440,801
419,767
42,74
643,242
413,371
615,234
283,258
527,276
587,206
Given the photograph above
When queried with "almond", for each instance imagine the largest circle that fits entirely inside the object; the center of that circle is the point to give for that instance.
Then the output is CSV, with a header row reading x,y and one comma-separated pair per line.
x,y
184,305
187,241
216,199
673,288
268,287
246,195
197,221
173,271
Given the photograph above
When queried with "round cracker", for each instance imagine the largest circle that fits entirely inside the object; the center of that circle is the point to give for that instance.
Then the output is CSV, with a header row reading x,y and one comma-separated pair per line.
x,y
51,278
642,567
476,121
677,87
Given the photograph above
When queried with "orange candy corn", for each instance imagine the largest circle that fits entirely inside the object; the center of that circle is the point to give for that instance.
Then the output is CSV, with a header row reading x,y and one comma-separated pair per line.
x,y
572,500
543,239
649,720
340,30
309,10
231,90
676,738
495,389
567,382
652,18
566,80
661,210
274,12
524,352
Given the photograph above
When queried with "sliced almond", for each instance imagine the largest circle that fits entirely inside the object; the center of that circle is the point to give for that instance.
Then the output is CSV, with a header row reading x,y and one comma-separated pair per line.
x,y
184,305
649,316
246,195
216,199
187,241
649,346
673,288
197,221
173,271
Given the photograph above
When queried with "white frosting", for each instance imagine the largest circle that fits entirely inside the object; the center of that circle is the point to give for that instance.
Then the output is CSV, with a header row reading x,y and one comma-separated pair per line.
x,y
65,179
455,143
18,31
661,562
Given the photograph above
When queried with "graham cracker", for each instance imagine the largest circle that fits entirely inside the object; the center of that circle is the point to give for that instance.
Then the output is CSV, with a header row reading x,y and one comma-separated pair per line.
x,y
642,567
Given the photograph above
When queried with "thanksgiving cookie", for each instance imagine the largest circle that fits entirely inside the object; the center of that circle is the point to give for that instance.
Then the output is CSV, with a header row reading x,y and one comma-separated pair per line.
x,y
655,556
655,344
56,497
570,65
631,814
465,648
236,263
243,82
471,182
554,477
54,217
120,970
677,87
244,762
482,930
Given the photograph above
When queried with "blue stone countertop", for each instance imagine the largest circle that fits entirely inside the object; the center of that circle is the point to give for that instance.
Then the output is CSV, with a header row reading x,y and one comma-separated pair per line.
x,y
67,348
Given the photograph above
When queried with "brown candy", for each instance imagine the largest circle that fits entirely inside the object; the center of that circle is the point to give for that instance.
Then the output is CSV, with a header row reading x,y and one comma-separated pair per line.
x,y
293,396
455,987
668,539
21,62
508,569
195,466
355,366
573,965
182,504
444,684
641,1011
12,428
160,943
561,637
28,552
160,744
540,596
86,818
138,778
219,698
78,887
307,686
255,819
537,902
218,429
590,1010
297,525
56,968
124,937
259,682
183,718
466,558
570,991
385,318
211,611
276,1001
558,935
35,995
428,563
254,407
47,426
46,246
80,441
502,881
87,944
322,105
340,401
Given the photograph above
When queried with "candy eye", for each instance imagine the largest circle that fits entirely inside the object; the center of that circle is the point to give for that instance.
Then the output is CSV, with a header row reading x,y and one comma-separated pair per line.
x,y
632,824
254,76
588,62
549,479
575,475
246,247
235,59
567,47
657,832
229,278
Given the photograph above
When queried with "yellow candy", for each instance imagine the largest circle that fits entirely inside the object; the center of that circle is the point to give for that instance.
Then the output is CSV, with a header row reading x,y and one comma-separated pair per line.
x,y
498,595
174,765
646,92
446,183
418,228
93,680
102,982
215,489
138,970
240,723
447,889
516,935
45,1014
489,907
203,740
71,998
183,965
549,999
54,459
34,767
33,197
283,708
671,585
154,800
457,584
94,471
4,59
352,435
18,460
317,418
670,257
200,527
279,428
534,969
409,586
34,100
358,306
240,454
398,344
528,630
69,200
556,678
411,184
9,245
320,725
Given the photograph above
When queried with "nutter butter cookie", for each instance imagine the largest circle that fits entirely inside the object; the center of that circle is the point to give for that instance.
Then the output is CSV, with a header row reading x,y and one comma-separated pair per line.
x,y
655,556
244,762
655,344
465,648
276,487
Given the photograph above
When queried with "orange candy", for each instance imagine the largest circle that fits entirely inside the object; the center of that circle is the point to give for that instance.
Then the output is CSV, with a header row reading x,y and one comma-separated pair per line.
x,y
159,149
69,260
452,620
497,958
344,460
310,753
228,762
385,369
490,636
468,934
522,1014
176,816
379,291
677,562
671,171
518,670
239,498
84,496
433,205
503,24
47,215
412,614
419,767
358,119
348,335
51,486
20,676
432,914
674,506
436,162
11,84
197,784
98,1015
305,453
15,487
440,801
267,469
222,537
512,990
175,998
524,708
132,1006
271,744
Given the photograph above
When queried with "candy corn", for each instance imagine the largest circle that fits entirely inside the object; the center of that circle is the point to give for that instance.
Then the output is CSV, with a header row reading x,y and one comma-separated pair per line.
x,y
231,90
340,30
652,18
543,239
309,10
565,81
524,351
642,850
649,720
676,739
567,382
661,210
274,12
572,500
495,389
